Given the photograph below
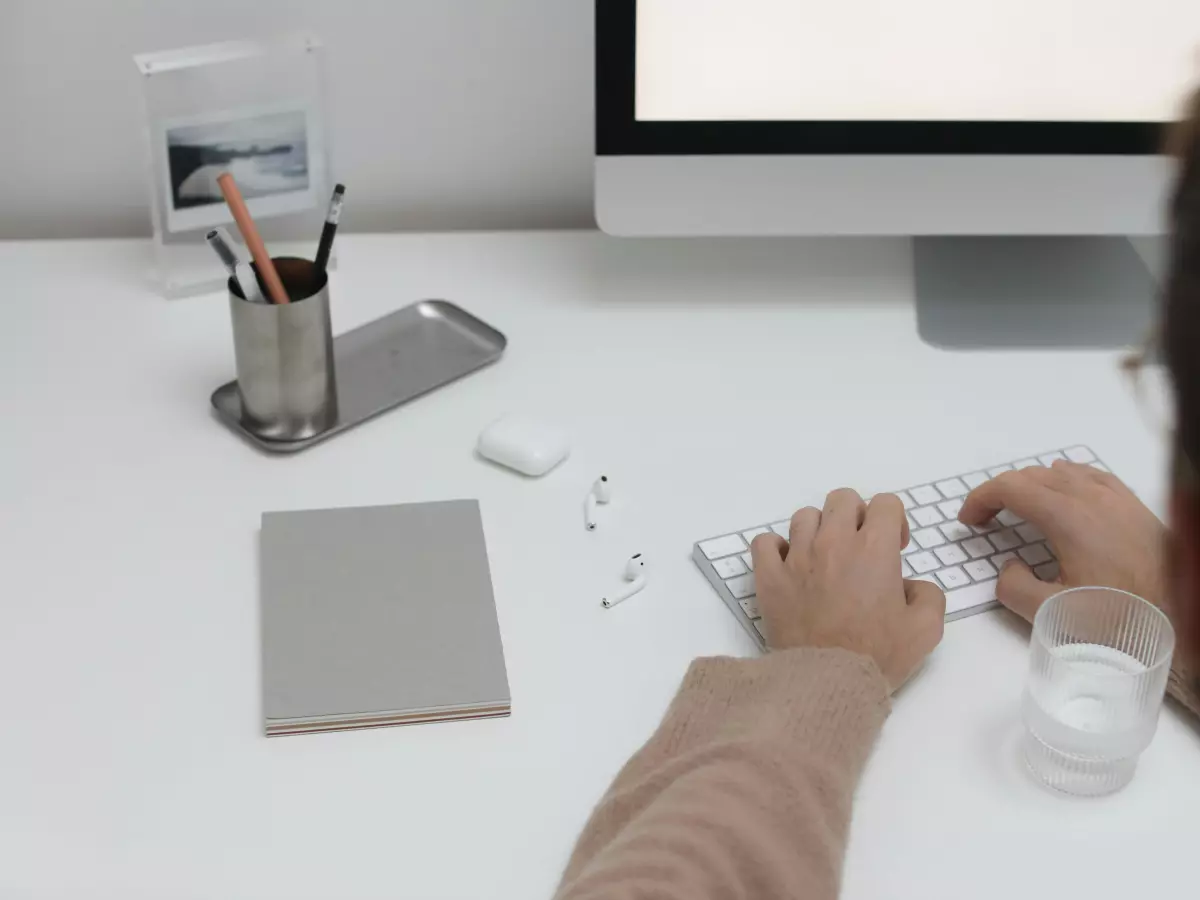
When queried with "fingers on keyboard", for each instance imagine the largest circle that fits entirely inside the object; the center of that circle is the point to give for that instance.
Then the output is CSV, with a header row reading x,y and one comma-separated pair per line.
x,y
963,560
956,531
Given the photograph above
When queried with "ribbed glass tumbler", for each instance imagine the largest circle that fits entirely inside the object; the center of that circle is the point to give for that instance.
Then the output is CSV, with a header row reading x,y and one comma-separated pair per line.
x,y
1098,666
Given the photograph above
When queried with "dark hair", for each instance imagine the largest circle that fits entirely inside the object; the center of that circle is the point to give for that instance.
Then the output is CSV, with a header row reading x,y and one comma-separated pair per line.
x,y
1181,320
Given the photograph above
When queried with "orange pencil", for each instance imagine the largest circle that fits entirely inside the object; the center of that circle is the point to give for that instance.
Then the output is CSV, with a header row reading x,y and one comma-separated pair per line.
x,y
254,241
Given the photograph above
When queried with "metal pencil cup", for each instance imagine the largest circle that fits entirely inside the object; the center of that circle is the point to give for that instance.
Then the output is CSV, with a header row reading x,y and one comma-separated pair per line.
x,y
286,376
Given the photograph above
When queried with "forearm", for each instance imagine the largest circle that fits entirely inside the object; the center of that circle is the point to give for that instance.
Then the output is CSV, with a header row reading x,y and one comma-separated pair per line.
x,y
746,787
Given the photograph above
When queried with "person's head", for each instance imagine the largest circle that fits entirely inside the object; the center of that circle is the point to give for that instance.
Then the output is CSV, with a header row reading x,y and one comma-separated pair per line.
x,y
1181,348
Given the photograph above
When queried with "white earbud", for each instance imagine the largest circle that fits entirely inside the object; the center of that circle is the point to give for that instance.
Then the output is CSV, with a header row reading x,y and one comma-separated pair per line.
x,y
635,573
601,492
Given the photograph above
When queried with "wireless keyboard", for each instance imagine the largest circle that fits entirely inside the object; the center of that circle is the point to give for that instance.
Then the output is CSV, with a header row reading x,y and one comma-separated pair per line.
x,y
962,560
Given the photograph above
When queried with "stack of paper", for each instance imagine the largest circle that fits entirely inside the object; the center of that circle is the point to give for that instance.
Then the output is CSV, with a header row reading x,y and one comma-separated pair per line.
x,y
378,616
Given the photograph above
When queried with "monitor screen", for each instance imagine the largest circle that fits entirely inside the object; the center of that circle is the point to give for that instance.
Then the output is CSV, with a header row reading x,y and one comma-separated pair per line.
x,y
1069,61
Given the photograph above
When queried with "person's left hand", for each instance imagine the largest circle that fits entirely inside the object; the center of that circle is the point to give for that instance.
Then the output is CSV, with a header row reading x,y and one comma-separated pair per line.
x,y
836,583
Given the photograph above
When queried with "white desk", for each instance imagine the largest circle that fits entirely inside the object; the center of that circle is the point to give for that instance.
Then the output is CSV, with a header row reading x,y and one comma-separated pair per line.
x,y
717,385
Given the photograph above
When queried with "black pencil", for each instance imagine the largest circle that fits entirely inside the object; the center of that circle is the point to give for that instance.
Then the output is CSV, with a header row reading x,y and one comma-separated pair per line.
x,y
331,223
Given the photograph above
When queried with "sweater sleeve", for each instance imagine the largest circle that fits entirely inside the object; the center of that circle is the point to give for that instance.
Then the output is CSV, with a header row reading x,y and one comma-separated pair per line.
x,y
745,789
1183,684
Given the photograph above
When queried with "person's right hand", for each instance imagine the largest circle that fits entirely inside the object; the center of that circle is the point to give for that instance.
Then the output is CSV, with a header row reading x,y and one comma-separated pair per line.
x,y
1102,534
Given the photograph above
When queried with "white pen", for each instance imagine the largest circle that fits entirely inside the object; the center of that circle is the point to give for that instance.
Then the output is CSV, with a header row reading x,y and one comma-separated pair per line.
x,y
242,272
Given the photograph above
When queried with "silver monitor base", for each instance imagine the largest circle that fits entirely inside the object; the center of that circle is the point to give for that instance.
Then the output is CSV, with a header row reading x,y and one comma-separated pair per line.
x,y
977,292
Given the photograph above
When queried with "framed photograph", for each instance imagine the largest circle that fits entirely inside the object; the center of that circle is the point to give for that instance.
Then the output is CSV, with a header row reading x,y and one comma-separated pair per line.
x,y
255,108
273,152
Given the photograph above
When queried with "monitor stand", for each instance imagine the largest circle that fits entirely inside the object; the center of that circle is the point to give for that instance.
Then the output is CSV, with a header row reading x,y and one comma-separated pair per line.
x,y
1029,292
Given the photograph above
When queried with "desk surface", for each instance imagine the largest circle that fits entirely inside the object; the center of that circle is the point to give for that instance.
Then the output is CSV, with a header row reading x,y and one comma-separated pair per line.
x,y
717,383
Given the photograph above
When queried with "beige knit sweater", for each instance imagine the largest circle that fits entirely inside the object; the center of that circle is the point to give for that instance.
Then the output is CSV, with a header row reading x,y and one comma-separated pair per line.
x,y
745,789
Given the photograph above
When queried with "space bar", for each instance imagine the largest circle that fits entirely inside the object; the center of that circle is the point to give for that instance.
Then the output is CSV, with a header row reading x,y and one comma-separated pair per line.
x,y
972,595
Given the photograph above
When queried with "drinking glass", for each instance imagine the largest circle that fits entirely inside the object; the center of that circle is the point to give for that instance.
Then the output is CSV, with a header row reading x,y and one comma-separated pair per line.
x,y
1098,665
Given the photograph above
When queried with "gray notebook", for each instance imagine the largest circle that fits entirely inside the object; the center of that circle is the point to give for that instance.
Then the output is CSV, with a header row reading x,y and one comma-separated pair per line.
x,y
379,615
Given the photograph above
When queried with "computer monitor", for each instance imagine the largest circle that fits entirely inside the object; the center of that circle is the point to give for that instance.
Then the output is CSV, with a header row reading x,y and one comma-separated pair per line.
x,y
1008,134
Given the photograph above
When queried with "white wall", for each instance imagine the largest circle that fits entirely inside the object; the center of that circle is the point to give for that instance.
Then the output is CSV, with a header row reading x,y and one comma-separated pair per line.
x,y
447,114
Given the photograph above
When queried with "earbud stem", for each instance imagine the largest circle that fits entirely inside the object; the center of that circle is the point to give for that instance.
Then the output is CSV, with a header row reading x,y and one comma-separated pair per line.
x,y
621,596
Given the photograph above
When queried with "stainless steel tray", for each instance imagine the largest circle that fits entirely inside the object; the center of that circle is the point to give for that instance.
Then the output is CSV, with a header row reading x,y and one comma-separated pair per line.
x,y
388,362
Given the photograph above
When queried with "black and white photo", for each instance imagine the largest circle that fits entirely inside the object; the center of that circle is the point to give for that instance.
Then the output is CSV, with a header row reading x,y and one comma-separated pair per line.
x,y
269,153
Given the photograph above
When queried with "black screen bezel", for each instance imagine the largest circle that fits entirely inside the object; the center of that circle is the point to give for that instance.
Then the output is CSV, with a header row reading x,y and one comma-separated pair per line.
x,y
620,133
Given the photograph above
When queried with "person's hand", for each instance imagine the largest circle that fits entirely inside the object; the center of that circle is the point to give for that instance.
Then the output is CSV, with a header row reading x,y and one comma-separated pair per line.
x,y
836,583
1102,534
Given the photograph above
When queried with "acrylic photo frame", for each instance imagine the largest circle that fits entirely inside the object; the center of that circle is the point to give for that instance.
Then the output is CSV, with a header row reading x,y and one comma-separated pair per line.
x,y
254,108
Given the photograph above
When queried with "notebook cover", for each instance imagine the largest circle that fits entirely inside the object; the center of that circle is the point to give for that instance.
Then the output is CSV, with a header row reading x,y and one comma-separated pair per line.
x,y
377,616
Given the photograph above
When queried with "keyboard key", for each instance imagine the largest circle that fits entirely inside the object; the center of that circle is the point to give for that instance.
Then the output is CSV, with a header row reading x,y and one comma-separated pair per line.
x,y
975,479
912,526
760,628
722,546
749,536
951,554
923,562
1050,458
954,577
905,500
1030,533
987,527
1081,455
999,470
980,569
742,586
926,494
1027,464
1008,518
929,537
748,560
952,487
1000,559
1035,555
979,594
729,566
1047,571
1005,540
977,548
912,546
951,508
926,516
955,531
905,570
783,529
1099,465
749,606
